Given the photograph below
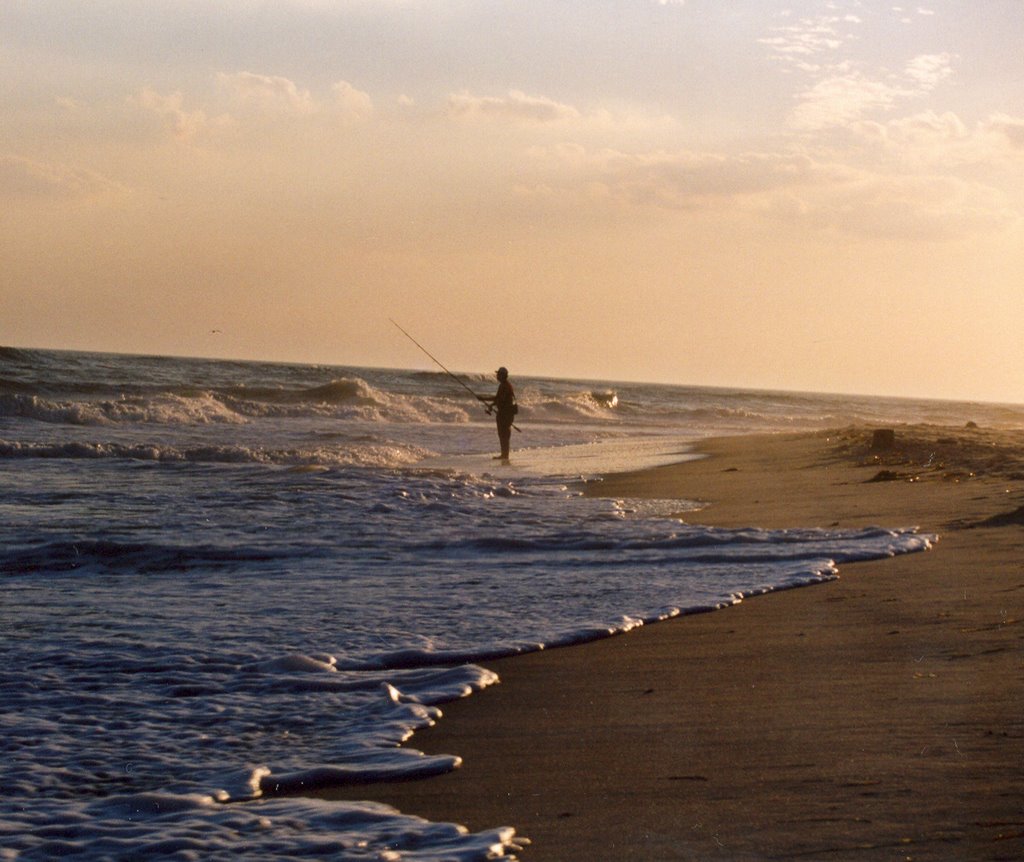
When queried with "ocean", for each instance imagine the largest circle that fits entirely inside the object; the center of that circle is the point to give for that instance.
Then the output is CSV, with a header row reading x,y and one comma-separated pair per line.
x,y
228,584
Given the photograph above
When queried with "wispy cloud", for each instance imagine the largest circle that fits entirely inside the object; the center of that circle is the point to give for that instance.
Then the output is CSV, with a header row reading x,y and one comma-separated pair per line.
x,y
809,43
942,140
541,114
182,123
680,180
267,93
1010,128
923,207
907,16
21,177
273,95
516,106
247,97
841,99
907,184
848,95
842,89
353,103
929,70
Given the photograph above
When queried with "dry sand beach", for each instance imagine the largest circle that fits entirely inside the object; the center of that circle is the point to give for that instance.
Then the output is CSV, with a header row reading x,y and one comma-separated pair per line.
x,y
880,716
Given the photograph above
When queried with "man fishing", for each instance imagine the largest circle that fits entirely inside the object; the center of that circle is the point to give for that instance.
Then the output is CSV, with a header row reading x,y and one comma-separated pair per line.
x,y
504,405
504,400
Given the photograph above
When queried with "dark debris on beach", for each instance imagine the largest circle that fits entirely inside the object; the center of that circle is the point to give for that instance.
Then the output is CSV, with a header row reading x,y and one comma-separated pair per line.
x,y
914,453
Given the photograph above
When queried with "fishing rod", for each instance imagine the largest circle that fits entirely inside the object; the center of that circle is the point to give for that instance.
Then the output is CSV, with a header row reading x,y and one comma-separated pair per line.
x,y
441,366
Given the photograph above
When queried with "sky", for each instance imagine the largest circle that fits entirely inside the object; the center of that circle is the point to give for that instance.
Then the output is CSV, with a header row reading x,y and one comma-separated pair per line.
x,y
773,194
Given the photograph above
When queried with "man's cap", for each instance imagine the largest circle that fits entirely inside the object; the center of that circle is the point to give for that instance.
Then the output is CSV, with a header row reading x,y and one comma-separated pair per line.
x,y
502,372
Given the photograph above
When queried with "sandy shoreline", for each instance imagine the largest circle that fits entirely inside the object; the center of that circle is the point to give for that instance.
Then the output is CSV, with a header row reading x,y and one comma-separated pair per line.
x,y
880,716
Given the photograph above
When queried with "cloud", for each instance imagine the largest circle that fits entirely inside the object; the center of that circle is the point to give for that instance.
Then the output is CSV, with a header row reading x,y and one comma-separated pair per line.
x,y
890,198
929,140
537,113
682,180
841,99
925,207
516,107
840,90
929,70
918,135
352,103
1009,128
253,97
846,97
183,124
274,96
267,93
808,38
25,178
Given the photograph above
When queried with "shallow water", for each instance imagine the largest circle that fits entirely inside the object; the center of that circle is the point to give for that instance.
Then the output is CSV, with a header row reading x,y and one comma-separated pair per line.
x,y
226,582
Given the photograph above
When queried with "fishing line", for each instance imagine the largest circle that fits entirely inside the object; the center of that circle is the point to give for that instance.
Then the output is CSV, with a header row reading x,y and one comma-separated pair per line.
x,y
441,366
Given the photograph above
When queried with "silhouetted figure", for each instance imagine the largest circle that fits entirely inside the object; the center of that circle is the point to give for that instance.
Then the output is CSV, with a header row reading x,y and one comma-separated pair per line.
x,y
504,405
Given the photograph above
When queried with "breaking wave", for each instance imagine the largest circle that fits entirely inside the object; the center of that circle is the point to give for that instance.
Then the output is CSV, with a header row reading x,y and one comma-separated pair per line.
x,y
340,399
162,409
350,454
589,404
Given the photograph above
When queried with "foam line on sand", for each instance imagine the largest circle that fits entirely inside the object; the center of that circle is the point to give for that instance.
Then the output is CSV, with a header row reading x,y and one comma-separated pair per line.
x,y
880,716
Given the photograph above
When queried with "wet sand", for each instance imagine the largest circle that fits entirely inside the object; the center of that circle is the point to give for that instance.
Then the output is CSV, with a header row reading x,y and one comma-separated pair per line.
x,y
880,716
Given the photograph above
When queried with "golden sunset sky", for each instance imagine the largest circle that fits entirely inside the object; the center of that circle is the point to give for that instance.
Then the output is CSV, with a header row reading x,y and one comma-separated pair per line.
x,y
823,196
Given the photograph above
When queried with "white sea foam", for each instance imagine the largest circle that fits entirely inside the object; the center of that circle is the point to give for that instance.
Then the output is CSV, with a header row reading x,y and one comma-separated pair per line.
x,y
230,631
310,660
363,454
164,409
587,405
347,399
196,827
